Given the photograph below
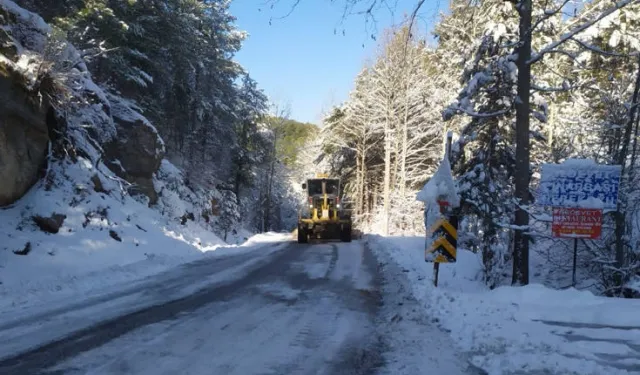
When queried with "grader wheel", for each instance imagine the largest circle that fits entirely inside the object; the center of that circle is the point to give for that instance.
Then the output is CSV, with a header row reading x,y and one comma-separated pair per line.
x,y
345,234
303,236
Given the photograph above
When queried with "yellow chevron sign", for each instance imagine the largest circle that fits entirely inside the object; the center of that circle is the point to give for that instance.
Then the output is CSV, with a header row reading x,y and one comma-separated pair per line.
x,y
444,234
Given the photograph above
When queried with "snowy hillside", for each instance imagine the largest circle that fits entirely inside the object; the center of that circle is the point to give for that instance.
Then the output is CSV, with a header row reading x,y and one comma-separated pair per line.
x,y
83,226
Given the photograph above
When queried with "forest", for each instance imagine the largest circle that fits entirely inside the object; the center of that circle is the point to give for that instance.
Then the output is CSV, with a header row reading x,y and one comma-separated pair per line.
x,y
388,137
175,60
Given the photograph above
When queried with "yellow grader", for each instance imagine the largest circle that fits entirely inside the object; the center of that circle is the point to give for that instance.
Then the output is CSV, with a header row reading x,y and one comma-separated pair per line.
x,y
323,216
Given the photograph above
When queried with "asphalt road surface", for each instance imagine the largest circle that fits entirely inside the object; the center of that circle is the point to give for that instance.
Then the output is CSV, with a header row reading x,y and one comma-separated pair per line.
x,y
286,309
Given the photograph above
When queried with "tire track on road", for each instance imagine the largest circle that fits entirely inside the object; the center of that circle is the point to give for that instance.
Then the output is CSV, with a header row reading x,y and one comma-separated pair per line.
x,y
35,360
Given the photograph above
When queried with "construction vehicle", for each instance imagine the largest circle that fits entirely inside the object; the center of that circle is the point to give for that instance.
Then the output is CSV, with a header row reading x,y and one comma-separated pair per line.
x,y
323,216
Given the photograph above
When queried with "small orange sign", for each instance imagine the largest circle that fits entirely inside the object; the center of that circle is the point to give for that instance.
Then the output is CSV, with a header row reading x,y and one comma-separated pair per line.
x,y
577,222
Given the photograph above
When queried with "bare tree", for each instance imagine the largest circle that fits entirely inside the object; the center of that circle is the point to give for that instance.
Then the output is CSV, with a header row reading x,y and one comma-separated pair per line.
x,y
280,112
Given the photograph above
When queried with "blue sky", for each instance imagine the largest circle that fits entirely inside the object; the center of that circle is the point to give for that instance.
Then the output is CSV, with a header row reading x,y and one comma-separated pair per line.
x,y
300,61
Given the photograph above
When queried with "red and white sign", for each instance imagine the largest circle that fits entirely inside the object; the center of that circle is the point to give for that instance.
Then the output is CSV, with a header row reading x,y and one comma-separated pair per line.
x,y
577,222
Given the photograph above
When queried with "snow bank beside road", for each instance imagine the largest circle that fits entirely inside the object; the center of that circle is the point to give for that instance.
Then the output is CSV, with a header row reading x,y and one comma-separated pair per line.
x,y
105,238
524,330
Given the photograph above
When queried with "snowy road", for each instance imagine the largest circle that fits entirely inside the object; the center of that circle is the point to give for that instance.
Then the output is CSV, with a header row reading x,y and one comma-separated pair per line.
x,y
302,309
284,309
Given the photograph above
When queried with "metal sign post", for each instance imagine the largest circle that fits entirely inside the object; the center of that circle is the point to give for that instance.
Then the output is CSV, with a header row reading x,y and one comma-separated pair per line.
x,y
445,238
575,262
436,265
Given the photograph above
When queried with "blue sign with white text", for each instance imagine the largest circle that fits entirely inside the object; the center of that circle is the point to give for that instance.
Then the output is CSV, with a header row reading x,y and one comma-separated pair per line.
x,y
574,184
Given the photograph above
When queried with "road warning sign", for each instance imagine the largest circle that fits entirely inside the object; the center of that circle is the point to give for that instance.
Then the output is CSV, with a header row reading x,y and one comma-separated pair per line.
x,y
577,222
444,240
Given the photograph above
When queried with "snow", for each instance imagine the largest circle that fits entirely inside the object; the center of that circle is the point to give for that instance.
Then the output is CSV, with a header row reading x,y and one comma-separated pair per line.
x,y
28,34
271,237
531,329
84,256
591,202
579,183
580,163
279,289
35,21
240,236
441,184
59,315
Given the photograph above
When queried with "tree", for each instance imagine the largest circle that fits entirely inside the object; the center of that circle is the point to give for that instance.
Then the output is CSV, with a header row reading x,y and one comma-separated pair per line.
x,y
250,108
229,213
273,126
382,140
484,156
515,74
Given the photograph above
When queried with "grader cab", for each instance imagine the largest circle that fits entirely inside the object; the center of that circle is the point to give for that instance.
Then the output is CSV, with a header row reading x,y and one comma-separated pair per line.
x,y
324,217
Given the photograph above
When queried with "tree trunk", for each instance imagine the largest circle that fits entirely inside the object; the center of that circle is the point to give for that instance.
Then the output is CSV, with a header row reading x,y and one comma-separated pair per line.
x,y
521,239
359,181
363,192
387,171
393,180
405,136
272,168
261,201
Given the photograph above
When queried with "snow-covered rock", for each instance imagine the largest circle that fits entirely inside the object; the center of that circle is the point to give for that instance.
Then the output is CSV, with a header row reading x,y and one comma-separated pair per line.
x,y
34,86
23,136
138,151
34,91
23,131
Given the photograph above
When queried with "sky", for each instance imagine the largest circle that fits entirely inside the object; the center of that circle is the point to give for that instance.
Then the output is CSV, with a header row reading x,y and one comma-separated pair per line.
x,y
303,61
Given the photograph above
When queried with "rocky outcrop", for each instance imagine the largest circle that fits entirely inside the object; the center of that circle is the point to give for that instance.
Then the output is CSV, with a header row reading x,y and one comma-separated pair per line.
x,y
23,136
136,153
25,115
96,125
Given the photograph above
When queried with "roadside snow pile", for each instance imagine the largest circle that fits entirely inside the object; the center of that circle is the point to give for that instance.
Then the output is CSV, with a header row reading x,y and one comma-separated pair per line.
x,y
239,237
527,330
269,237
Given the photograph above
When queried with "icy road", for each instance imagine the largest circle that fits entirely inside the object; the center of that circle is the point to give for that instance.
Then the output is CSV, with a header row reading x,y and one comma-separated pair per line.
x,y
285,309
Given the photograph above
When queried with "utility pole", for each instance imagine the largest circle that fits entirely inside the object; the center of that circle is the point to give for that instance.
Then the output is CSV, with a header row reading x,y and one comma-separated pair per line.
x,y
521,240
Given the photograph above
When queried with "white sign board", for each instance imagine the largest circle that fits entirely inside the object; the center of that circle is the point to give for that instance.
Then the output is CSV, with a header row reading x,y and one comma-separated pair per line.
x,y
579,183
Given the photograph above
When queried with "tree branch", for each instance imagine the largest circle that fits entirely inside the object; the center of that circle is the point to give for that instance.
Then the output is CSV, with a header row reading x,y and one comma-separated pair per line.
x,y
482,115
599,51
548,14
568,36
552,89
